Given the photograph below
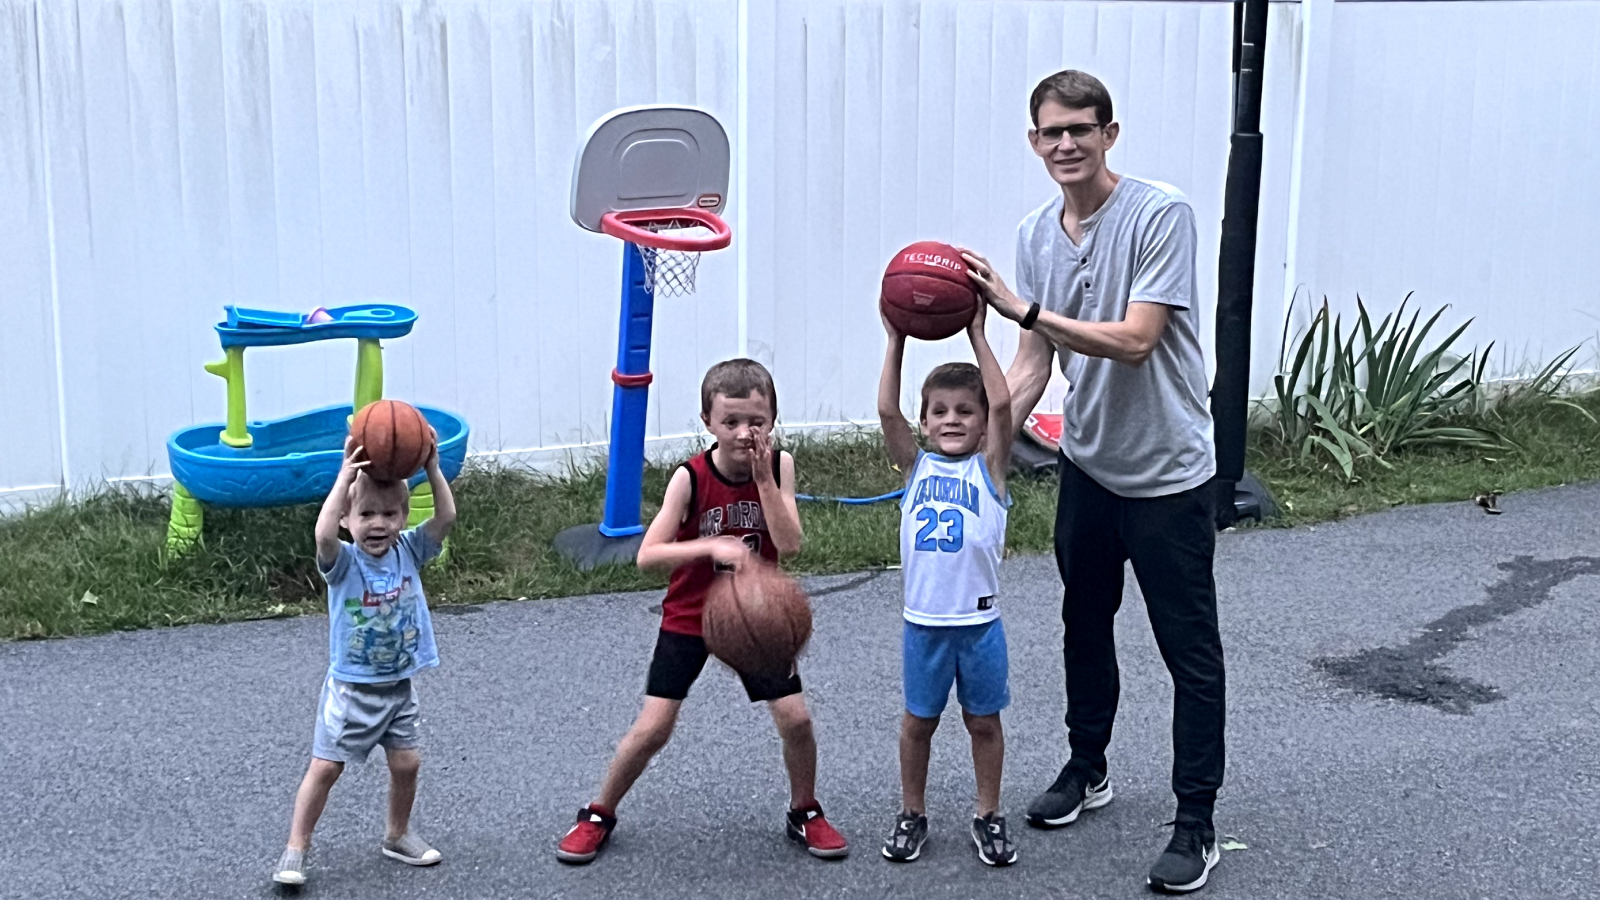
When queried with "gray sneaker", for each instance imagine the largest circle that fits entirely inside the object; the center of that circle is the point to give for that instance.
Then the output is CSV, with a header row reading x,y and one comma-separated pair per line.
x,y
291,868
411,850
994,845
1075,791
1188,859
905,842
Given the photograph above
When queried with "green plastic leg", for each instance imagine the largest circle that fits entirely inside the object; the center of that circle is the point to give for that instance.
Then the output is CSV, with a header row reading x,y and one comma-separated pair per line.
x,y
422,511
231,370
369,372
188,518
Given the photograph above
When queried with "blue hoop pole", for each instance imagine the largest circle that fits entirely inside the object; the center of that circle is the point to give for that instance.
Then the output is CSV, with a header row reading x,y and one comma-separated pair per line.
x,y
629,400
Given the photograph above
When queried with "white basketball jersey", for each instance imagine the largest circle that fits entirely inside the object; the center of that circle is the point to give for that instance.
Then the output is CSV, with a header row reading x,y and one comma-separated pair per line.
x,y
952,536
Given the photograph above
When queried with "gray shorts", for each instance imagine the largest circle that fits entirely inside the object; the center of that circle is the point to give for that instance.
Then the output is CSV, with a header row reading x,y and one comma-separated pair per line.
x,y
353,718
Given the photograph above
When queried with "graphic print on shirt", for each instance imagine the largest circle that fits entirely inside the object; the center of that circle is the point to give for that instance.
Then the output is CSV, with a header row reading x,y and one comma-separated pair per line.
x,y
718,507
383,627
741,514
942,528
952,537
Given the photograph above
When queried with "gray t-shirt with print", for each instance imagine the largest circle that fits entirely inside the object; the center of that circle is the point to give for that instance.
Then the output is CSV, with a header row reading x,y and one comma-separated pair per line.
x,y
1139,431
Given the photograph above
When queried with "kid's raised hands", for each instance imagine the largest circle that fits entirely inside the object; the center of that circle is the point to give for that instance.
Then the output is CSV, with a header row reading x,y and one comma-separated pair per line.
x,y
354,456
979,315
888,327
432,462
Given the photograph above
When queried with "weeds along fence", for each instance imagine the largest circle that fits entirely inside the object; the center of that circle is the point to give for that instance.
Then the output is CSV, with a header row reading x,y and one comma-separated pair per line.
x,y
160,159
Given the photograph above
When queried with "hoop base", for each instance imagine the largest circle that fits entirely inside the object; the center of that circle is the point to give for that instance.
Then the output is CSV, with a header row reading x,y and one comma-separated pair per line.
x,y
585,547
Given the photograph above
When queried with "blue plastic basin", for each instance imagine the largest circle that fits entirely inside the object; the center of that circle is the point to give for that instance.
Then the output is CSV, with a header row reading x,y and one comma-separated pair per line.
x,y
291,460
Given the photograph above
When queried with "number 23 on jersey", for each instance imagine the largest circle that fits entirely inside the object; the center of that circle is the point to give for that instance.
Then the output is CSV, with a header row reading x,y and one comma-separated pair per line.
x,y
941,530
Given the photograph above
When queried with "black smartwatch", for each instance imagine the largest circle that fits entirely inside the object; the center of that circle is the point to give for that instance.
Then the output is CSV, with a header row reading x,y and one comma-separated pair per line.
x,y
1031,317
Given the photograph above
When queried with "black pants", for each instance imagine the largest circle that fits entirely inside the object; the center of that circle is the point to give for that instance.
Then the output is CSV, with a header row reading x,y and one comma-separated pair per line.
x,y
1170,541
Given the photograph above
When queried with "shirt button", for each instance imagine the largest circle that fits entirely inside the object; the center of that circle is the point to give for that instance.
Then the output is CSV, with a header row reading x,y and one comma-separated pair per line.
x,y
1086,284
1085,260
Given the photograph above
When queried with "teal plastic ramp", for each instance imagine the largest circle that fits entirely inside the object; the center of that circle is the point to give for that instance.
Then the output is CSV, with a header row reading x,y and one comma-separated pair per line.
x,y
269,328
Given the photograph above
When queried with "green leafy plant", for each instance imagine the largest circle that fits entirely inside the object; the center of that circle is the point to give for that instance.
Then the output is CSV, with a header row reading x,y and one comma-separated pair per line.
x,y
1377,390
1545,387
1315,396
1410,395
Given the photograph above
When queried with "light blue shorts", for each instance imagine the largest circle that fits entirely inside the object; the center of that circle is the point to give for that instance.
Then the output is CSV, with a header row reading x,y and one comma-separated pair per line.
x,y
973,657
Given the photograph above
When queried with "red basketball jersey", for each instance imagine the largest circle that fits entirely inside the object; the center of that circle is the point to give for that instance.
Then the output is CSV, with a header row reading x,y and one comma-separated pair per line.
x,y
717,506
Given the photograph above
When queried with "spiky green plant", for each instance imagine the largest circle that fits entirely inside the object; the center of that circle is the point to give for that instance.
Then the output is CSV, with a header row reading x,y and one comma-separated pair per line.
x,y
1384,388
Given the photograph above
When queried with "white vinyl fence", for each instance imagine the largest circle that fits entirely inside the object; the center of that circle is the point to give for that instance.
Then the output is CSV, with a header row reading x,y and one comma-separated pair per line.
x,y
161,158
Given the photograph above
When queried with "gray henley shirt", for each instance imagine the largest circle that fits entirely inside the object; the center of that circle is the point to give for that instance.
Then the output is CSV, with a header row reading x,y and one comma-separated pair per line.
x,y
1139,431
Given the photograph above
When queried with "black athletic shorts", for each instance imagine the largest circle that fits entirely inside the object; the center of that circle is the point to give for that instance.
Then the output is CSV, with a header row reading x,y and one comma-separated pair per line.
x,y
680,657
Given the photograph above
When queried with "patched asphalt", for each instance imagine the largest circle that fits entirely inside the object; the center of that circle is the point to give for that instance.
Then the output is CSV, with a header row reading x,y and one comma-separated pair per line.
x,y
1414,710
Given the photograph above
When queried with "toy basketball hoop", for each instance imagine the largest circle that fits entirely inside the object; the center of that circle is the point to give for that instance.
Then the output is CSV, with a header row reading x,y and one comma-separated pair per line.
x,y
670,242
656,178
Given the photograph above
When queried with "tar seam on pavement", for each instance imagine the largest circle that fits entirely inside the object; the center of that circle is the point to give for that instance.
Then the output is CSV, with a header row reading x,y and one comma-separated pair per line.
x,y
1411,673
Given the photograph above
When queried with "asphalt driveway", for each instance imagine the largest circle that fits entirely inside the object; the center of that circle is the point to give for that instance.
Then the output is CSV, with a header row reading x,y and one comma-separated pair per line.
x,y
1413,711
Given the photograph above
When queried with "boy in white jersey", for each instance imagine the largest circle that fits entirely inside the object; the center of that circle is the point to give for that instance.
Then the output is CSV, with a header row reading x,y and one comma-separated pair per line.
x,y
952,536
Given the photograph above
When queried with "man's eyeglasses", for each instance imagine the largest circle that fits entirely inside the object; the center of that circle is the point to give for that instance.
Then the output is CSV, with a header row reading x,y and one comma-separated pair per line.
x,y
1052,134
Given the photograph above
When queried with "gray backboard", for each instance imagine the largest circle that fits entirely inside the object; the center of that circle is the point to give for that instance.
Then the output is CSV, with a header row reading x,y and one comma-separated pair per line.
x,y
650,157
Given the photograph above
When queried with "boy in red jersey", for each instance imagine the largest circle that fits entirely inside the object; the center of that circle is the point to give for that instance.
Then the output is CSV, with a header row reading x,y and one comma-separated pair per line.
x,y
721,507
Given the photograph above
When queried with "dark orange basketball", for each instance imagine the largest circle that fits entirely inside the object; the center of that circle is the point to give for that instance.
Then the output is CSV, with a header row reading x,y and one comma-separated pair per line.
x,y
395,437
757,619
926,292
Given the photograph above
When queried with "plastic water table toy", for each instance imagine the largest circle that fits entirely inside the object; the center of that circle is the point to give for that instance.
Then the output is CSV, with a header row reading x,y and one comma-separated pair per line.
x,y
294,459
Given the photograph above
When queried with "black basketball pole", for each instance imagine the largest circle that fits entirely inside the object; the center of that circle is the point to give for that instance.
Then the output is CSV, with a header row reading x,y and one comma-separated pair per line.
x,y
1239,495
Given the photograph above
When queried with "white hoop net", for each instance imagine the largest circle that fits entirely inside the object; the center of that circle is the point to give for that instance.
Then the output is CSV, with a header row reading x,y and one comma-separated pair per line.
x,y
670,273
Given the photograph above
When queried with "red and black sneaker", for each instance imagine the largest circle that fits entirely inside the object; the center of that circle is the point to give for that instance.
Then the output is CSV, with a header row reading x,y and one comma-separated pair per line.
x,y
808,826
584,841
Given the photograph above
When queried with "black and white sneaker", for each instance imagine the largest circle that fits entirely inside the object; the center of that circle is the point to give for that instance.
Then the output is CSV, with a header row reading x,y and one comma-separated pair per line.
x,y
905,842
1075,790
994,845
1188,860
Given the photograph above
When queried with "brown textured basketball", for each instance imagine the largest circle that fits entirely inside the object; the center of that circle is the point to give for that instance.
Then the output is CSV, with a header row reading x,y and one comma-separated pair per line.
x,y
395,438
757,619
926,292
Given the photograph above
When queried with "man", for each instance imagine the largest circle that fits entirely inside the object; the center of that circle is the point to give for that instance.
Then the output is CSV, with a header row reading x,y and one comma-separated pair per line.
x,y
1106,277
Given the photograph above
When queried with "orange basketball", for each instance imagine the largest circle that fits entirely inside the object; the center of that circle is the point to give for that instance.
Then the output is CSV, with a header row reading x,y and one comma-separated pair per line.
x,y
757,619
395,437
926,292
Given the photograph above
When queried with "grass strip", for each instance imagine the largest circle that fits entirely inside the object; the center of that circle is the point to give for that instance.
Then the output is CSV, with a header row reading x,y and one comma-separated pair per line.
x,y
98,564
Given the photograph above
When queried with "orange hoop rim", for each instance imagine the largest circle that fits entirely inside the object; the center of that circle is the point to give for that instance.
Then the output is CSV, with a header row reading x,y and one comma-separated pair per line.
x,y
628,225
